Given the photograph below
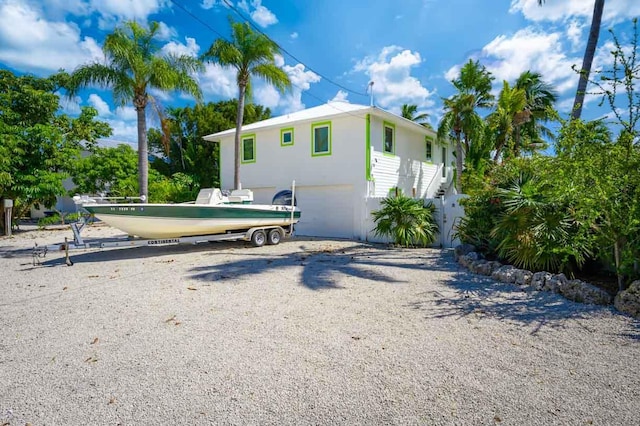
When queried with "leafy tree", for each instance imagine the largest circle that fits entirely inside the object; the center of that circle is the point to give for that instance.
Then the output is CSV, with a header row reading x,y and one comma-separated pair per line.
x,y
252,55
589,54
134,65
406,220
189,153
540,97
38,144
510,114
106,170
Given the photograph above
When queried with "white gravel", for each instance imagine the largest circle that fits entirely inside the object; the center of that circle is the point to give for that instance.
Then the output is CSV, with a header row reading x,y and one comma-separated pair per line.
x,y
307,332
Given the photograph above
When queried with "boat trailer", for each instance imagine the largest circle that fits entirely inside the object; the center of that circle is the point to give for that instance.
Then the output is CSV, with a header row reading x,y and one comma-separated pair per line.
x,y
258,236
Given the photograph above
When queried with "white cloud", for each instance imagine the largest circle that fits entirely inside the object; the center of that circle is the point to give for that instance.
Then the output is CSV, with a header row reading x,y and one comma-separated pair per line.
x,y
574,32
341,96
529,49
555,10
393,83
301,80
294,35
100,105
166,32
190,49
127,9
208,4
261,15
70,106
127,113
218,81
29,42
266,95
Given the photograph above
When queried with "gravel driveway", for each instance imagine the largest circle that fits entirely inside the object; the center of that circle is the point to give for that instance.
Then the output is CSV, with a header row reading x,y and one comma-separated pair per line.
x,y
306,332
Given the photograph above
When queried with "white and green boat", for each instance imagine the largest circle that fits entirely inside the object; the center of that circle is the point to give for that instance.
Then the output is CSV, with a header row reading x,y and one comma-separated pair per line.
x,y
211,213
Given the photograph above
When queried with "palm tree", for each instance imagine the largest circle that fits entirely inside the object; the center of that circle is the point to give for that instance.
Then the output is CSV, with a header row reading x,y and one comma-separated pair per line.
x,y
461,117
252,55
540,97
510,114
134,65
410,112
589,53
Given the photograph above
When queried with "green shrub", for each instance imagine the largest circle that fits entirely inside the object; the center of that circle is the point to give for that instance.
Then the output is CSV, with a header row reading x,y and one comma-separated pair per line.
x,y
56,219
407,221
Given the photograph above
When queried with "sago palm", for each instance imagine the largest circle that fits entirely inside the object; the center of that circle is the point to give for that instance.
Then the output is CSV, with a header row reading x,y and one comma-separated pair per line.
x,y
133,65
406,220
252,54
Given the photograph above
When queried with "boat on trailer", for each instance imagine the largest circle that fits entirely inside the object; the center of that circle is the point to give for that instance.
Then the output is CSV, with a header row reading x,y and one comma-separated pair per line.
x,y
211,217
211,213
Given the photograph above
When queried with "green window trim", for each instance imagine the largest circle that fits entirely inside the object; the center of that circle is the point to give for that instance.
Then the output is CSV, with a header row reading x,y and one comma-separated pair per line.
x,y
250,137
317,126
368,148
428,148
283,132
387,125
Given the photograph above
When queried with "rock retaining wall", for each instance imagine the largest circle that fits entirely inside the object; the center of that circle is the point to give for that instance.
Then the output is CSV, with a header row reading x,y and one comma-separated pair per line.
x,y
627,301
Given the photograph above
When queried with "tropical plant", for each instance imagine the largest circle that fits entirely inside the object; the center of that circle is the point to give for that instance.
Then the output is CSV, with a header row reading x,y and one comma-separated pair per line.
x,y
461,118
407,221
589,54
188,152
410,112
252,55
134,65
510,114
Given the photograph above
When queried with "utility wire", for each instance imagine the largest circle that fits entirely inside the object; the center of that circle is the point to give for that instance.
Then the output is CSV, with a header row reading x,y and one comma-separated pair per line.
x,y
307,92
250,22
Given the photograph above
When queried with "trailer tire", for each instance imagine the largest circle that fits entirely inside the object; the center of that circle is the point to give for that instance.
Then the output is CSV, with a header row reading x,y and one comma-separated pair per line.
x,y
258,238
274,237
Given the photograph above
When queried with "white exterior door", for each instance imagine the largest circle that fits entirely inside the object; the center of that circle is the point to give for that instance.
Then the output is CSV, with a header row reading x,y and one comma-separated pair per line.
x,y
327,211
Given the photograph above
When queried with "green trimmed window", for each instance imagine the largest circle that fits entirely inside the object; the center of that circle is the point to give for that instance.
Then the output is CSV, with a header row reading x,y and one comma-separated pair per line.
x,y
249,149
286,137
428,148
321,138
389,138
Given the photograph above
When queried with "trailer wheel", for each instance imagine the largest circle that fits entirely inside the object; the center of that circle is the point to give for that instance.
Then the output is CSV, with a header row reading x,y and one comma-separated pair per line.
x,y
274,237
258,238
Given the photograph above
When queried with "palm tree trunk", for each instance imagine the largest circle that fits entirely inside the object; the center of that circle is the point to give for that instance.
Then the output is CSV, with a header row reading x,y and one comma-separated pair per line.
x,y
458,163
239,117
589,53
143,159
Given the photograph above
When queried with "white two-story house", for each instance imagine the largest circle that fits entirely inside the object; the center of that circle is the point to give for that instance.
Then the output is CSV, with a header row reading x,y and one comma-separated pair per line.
x,y
341,156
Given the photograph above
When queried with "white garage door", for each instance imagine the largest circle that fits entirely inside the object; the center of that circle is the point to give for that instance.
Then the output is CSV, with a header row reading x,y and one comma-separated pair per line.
x,y
327,211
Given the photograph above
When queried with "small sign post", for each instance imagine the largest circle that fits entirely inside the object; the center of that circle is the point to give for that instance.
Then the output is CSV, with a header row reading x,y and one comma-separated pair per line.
x,y
7,205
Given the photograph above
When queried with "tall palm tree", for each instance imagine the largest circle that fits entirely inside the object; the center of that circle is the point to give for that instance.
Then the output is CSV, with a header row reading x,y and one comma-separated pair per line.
x,y
589,54
134,65
252,55
461,119
410,112
540,97
510,114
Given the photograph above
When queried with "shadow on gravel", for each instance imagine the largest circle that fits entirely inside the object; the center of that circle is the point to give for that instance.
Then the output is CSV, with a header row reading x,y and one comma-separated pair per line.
x,y
482,296
320,268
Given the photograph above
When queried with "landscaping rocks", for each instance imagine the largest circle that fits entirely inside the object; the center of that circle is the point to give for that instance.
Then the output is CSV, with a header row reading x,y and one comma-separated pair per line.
x,y
628,301
523,277
580,291
539,279
505,274
463,249
554,283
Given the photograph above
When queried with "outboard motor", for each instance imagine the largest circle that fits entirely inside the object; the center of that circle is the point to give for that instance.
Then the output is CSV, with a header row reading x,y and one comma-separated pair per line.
x,y
283,198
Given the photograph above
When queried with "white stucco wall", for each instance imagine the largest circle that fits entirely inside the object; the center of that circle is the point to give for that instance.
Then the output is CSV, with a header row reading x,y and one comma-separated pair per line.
x,y
329,189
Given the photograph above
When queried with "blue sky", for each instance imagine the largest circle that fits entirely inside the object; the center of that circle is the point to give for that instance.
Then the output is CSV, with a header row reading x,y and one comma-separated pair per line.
x,y
410,49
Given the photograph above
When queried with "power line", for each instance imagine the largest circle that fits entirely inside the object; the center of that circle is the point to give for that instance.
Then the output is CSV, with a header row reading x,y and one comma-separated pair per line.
x,y
302,90
198,19
248,21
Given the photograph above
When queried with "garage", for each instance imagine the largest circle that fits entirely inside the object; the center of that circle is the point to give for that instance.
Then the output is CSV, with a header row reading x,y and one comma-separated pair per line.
x,y
327,211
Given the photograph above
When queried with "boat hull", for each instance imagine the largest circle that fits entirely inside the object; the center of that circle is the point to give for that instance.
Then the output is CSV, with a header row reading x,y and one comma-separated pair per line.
x,y
186,220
